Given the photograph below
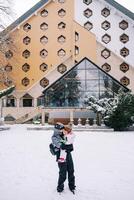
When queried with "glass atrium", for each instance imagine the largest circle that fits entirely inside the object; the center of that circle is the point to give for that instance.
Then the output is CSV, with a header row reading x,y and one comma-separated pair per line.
x,y
85,78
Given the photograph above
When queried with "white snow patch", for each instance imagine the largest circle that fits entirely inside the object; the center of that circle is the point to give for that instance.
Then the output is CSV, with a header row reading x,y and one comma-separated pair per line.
x,y
104,164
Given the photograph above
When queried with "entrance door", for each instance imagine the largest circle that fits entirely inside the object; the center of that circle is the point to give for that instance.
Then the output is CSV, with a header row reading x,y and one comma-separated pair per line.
x,y
27,102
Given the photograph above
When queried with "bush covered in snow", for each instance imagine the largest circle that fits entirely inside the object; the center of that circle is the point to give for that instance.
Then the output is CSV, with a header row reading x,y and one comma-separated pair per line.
x,y
117,112
122,116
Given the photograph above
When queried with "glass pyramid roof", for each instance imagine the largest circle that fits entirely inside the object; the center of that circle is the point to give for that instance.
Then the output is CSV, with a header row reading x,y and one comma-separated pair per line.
x,y
85,78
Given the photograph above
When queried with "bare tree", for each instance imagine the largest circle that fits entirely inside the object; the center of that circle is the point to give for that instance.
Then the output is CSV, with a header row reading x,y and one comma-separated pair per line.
x,y
6,13
6,40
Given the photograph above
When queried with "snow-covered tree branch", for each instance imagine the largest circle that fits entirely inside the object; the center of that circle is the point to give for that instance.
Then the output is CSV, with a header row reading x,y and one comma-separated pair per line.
x,y
103,106
7,91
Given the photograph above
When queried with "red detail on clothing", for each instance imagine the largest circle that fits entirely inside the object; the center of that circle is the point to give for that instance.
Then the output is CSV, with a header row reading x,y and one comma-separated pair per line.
x,y
61,160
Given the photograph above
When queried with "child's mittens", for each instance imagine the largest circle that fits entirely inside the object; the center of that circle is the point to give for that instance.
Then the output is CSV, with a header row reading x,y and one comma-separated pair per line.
x,y
63,146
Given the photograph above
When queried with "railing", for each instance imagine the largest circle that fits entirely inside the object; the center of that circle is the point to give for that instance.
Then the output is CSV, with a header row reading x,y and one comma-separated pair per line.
x,y
28,116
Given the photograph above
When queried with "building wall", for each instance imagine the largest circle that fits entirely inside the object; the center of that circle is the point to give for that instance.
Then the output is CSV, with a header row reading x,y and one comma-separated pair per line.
x,y
114,31
51,74
88,44
114,62
35,46
52,60
114,45
86,49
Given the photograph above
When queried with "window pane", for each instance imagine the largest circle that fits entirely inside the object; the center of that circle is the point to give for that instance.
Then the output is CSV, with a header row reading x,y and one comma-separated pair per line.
x,y
93,93
82,65
76,74
92,85
75,85
89,65
92,74
106,94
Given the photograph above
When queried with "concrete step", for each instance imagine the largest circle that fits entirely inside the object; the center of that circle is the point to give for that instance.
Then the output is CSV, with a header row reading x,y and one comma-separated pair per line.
x,y
75,128
4,128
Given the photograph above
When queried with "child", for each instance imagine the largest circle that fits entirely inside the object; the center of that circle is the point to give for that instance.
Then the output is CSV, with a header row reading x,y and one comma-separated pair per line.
x,y
67,140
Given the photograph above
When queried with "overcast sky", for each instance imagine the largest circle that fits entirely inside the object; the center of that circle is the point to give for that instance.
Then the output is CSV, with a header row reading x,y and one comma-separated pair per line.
x,y
21,6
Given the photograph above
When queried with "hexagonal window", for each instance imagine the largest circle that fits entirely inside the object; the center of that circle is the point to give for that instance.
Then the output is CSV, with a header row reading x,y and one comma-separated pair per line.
x,y
88,13
105,53
61,39
125,81
88,26
124,67
105,12
25,81
124,38
87,2
105,25
124,52
27,27
9,54
106,38
62,68
106,67
43,67
61,25
43,53
26,40
123,25
26,53
44,26
44,40
61,12
8,82
61,53
61,1
44,13
26,67
8,68
44,82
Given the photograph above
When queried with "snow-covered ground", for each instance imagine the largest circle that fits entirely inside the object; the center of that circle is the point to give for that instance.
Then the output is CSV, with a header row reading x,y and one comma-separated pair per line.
x,y
104,166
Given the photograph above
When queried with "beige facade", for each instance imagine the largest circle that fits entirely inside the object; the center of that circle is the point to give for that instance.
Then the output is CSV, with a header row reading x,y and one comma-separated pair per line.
x,y
47,44
62,33
115,70
51,47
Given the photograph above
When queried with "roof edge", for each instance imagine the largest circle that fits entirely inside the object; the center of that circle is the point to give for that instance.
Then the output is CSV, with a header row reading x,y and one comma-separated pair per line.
x,y
37,6
23,17
121,8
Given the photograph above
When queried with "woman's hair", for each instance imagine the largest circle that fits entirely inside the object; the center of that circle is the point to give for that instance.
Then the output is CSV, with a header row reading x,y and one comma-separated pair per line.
x,y
68,129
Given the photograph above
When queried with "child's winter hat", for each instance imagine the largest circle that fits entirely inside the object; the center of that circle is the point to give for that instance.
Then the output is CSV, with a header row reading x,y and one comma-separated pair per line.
x,y
59,126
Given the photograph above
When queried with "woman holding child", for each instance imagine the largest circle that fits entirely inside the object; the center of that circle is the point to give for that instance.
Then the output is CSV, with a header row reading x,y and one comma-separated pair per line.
x,y
63,139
